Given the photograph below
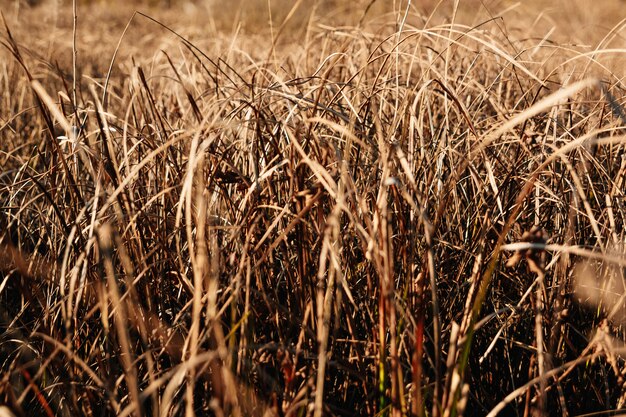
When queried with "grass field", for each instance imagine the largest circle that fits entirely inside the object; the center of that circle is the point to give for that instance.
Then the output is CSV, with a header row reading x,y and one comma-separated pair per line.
x,y
291,208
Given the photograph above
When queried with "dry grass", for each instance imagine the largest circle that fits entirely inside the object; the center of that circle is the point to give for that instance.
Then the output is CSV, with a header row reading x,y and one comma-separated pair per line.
x,y
329,212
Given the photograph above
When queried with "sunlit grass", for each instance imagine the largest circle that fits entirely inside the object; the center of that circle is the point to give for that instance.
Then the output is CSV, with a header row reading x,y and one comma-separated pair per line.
x,y
327,210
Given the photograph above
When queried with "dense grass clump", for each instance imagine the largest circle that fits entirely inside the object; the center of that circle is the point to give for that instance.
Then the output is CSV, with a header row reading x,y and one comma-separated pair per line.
x,y
396,216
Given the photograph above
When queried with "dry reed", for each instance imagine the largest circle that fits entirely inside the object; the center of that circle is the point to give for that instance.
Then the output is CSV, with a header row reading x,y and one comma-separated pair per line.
x,y
310,218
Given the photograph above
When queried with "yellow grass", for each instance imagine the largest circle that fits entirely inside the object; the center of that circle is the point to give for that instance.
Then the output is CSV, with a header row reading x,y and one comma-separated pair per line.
x,y
291,208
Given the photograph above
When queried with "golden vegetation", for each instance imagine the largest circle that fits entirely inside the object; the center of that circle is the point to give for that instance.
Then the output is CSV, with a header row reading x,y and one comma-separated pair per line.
x,y
340,209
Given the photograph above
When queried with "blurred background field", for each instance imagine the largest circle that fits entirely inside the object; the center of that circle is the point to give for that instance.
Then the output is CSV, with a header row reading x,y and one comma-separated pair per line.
x,y
580,24
575,21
